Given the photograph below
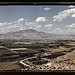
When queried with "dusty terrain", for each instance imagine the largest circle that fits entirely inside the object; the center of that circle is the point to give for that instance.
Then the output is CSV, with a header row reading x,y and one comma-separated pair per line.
x,y
60,56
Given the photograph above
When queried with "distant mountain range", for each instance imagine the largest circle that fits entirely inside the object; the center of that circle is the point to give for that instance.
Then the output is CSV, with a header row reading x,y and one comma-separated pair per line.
x,y
33,34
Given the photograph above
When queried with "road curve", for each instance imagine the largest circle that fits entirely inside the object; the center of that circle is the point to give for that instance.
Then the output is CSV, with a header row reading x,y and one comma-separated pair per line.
x,y
25,62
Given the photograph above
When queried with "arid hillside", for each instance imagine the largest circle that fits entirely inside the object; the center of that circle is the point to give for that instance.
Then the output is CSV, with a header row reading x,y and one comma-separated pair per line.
x,y
33,34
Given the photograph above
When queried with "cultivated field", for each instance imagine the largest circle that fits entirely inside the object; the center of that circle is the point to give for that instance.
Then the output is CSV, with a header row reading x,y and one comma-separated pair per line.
x,y
59,54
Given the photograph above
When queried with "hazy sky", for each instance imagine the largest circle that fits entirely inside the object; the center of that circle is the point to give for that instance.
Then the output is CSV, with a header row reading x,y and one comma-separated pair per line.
x,y
51,19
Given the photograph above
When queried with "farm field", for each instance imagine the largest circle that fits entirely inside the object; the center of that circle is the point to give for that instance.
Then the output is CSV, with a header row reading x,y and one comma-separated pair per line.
x,y
59,56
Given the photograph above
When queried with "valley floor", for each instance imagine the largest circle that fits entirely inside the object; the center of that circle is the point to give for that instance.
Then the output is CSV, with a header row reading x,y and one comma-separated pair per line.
x,y
60,56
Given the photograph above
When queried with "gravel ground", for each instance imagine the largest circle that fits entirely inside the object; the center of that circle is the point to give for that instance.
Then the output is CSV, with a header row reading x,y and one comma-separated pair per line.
x,y
9,65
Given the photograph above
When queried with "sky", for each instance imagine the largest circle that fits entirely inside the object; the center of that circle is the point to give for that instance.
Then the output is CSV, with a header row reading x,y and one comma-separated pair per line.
x,y
55,19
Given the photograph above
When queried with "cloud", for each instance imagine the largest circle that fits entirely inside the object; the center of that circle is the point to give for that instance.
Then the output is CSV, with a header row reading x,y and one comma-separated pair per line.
x,y
31,28
21,20
57,29
62,31
33,25
41,19
30,23
48,25
39,26
71,6
36,27
71,26
64,14
47,8
4,24
22,28
12,26
73,15
17,25
73,29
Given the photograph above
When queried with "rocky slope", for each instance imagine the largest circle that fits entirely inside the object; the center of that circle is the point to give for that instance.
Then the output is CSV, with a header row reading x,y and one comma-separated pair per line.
x,y
33,34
